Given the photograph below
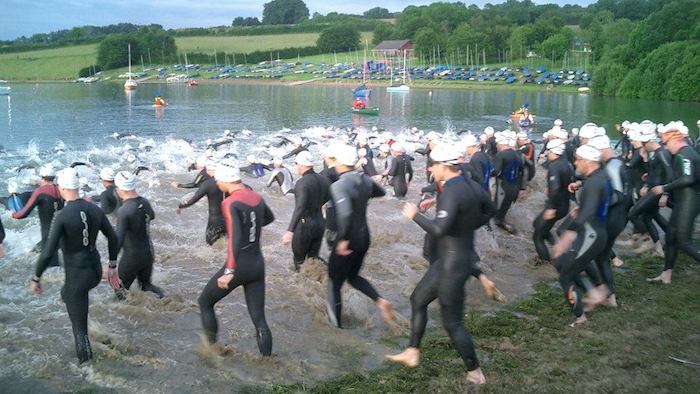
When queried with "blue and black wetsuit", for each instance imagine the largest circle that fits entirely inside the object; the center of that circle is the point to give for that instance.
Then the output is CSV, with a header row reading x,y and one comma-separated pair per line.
x,y
685,192
311,192
48,200
508,170
245,213
460,211
350,195
591,238
215,221
133,231
256,170
480,169
560,174
75,227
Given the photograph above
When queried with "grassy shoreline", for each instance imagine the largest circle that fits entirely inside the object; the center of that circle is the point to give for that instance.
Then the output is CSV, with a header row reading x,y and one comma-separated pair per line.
x,y
529,347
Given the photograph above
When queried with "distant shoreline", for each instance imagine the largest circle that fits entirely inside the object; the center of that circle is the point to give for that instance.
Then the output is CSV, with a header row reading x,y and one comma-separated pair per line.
x,y
420,85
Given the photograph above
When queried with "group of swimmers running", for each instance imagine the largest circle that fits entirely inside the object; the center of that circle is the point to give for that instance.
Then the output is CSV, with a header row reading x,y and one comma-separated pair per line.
x,y
471,181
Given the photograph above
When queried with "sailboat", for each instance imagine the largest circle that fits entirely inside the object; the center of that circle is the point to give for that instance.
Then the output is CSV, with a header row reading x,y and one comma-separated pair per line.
x,y
130,84
363,90
403,88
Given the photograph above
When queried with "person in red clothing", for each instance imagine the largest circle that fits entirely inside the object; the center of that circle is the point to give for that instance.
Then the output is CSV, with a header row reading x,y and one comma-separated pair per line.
x,y
48,199
245,213
358,104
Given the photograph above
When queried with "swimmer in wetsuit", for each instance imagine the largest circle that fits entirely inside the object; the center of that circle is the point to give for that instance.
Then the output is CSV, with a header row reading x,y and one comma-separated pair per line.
x,y
685,193
331,175
508,170
245,213
200,165
458,214
479,165
133,231
215,222
109,199
48,200
76,227
282,176
306,227
350,195
255,168
2,238
560,173
584,237
401,171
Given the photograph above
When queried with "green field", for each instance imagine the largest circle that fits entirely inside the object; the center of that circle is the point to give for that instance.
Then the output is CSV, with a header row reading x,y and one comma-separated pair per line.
x,y
47,64
247,44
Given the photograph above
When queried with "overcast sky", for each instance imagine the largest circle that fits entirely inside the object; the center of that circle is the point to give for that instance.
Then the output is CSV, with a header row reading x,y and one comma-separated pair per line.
x,y
27,17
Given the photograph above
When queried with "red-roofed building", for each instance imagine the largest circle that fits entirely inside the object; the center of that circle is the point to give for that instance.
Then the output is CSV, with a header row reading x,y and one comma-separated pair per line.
x,y
394,48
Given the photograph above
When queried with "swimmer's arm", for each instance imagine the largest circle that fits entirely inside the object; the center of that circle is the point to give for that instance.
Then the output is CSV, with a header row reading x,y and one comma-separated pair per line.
x,y
201,192
234,237
409,170
29,206
50,247
2,233
377,190
151,212
342,203
268,216
686,179
665,160
554,184
394,168
444,217
300,198
122,225
588,208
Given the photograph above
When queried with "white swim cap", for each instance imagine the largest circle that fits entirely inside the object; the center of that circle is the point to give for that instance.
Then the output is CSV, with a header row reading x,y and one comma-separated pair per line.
x,y
305,159
362,152
557,147
384,148
588,152
12,186
227,172
470,140
346,155
47,171
277,160
523,136
125,180
558,122
489,131
107,174
68,179
250,159
600,142
446,153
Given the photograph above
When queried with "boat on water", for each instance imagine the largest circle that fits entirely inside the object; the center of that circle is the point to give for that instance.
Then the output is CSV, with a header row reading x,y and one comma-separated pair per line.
x,y
5,90
130,84
192,82
372,111
403,88
398,89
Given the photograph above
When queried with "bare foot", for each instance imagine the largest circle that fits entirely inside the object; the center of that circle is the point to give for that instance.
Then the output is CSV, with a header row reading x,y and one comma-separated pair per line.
x,y
476,377
664,278
409,357
596,296
611,301
217,349
579,320
617,262
386,309
491,290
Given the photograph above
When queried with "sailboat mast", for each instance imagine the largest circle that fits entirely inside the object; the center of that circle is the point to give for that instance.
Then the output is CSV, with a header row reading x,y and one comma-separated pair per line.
x,y
129,61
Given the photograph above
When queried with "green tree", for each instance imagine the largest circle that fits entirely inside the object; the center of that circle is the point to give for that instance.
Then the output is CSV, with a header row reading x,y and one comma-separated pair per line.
x,y
113,51
685,82
339,38
410,24
555,46
377,13
383,32
284,12
465,37
607,78
428,43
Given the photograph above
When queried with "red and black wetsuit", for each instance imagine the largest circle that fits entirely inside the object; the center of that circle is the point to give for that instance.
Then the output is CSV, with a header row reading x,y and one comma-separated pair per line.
x,y
49,201
245,213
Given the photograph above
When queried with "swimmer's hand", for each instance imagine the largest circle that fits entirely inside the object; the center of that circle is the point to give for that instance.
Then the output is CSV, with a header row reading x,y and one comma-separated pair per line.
x,y
657,190
113,276
224,280
178,210
574,186
426,204
36,285
287,237
549,214
567,239
173,184
2,252
343,248
410,210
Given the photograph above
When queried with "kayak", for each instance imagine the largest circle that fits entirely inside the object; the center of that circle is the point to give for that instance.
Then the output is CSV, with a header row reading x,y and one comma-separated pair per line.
x,y
366,111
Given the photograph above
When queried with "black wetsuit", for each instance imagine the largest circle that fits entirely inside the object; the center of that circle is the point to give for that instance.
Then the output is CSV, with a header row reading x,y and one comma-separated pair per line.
x,y
570,151
310,193
369,167
400,172
458,214
428,161
480,169
76,227
48,200
685,192
296,151
646,208
508,168
331,228
350,195
201,177
560,174
245,213
215,223
109,199
490,147
616,219
133,231
636,167
589,225
2,233
529,167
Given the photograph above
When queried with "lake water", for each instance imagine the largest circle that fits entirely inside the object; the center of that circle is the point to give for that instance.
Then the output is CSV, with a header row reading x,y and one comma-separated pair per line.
x,y
150,345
